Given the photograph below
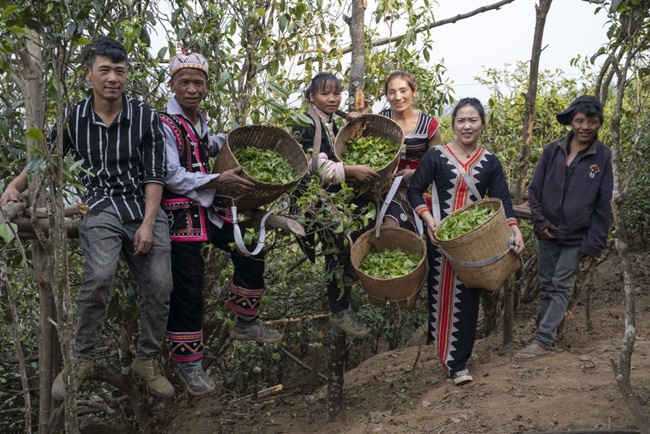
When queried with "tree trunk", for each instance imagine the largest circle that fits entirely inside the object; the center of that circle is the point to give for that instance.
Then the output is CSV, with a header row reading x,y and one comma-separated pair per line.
x,y
32,87
631,31
622,370
14,330
358,57
541,11
317,355
508,309
356,101
56,244
336,372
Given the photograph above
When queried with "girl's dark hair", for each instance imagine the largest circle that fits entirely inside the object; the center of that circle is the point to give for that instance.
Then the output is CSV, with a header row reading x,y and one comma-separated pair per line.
x,y
103,46
321,82
471,102
403,75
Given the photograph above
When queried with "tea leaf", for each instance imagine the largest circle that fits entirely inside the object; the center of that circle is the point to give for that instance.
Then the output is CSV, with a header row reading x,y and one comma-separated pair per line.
x,y
372,151
389,263
265,165
460,223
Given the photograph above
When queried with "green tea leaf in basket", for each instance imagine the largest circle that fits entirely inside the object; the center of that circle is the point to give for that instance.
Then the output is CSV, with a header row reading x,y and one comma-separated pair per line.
x,y
460,223
265,165
389,263
372,151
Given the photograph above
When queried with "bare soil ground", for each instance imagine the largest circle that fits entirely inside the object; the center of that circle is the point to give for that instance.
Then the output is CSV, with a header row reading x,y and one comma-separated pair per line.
x,y
572,389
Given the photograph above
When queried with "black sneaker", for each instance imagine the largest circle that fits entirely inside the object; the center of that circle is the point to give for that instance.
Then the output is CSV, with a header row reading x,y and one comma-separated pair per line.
x,y
461,378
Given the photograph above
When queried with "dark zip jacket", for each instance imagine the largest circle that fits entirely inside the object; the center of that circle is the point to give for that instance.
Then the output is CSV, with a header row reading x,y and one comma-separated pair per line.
x,y
582,217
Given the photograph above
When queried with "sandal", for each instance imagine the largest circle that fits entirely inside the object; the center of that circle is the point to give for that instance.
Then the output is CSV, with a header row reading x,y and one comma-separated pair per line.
x,y
532,351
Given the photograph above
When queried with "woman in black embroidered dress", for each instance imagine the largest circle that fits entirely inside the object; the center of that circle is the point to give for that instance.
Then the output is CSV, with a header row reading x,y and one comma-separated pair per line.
x,y
453,308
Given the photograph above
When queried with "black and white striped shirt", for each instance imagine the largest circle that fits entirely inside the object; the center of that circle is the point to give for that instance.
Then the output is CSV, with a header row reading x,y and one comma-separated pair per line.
x,y
122,157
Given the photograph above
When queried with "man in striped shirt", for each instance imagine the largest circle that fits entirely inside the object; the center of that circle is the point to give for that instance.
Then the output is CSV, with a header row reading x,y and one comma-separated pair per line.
x,y
120,143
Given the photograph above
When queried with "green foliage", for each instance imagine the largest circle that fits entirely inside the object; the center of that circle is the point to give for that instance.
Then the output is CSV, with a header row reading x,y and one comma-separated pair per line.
x,y
634,157
8,231
389,263
239,378
393,326
461,222
506,107
265,165
327,210
435,93
372,151
262,53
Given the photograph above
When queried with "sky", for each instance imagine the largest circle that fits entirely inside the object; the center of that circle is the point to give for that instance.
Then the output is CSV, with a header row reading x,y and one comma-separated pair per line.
x,y
505,36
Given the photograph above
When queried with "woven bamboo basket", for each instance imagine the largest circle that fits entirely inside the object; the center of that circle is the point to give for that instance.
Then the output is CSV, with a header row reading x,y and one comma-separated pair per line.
x,y
400,291
377,126
489,240
264,137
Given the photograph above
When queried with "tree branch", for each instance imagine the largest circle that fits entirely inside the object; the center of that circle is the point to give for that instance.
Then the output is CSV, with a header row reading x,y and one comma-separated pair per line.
x,y
301,363
452,20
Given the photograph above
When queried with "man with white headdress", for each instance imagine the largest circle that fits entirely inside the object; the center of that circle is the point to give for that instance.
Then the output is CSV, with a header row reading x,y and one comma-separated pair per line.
x,y
188,198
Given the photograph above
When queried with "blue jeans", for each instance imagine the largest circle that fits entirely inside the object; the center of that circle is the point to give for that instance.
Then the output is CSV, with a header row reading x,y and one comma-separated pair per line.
x,y
557,269
103,237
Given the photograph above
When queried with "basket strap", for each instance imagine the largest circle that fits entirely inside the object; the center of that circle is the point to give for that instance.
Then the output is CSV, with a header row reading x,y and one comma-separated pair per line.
x,y
468,179
387,200
239,241
418,223
484,262
435,204
318,137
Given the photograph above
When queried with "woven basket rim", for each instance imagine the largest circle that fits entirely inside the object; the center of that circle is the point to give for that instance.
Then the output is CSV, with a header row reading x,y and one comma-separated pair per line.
x,y
339,141
370,234
489,201
301,171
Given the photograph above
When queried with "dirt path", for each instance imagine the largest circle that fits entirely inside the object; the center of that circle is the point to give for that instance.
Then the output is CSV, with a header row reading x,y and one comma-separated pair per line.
x,y
572,389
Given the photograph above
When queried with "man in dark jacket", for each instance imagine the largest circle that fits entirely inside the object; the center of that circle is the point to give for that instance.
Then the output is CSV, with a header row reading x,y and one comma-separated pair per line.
x,y
569,198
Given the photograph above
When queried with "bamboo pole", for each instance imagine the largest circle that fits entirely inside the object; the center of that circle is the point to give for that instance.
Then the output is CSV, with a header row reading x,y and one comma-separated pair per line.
x,y
26,229
68,211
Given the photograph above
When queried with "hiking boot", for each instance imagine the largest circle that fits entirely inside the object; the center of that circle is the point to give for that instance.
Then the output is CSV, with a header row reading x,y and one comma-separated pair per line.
x,y
196,380
254,331
83,367
347,321
150,372
461,378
